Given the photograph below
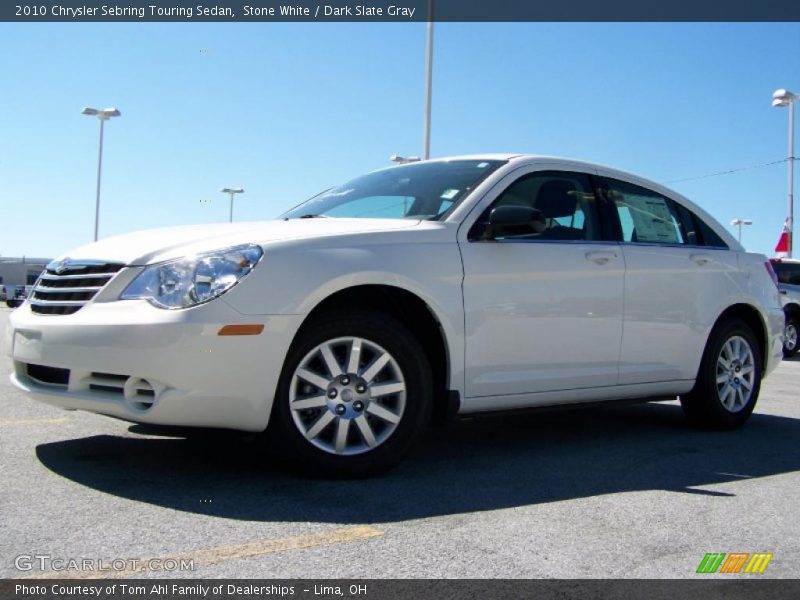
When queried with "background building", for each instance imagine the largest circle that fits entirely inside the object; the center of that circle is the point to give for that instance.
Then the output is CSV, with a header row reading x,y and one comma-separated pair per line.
x,y
21,271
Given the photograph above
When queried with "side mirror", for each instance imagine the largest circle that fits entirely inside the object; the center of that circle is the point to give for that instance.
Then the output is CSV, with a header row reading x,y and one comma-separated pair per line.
x,y
514,220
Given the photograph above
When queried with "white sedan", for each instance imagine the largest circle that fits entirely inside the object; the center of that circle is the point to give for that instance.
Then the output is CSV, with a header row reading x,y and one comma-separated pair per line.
x,y
452,286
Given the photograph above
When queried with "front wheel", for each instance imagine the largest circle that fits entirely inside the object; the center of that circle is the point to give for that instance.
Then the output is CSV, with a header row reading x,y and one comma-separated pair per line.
x,y
790,336
729,379
355,393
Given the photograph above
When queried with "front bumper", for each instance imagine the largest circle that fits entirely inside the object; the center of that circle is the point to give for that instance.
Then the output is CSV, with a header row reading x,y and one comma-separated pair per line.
x,y
131,360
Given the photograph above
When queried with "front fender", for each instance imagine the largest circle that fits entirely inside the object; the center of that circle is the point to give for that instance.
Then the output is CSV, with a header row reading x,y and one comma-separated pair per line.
x,y
296,278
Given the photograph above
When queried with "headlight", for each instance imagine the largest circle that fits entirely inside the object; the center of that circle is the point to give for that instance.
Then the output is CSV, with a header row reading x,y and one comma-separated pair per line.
x,y
193,280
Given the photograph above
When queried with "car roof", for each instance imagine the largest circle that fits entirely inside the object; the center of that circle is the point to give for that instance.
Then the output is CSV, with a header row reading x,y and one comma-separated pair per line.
x,y
522,159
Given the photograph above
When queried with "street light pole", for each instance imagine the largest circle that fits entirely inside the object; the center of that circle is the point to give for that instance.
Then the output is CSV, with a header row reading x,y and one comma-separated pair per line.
x,y
784,97
738,223
231,192
102,116
426,129
97,191
791,180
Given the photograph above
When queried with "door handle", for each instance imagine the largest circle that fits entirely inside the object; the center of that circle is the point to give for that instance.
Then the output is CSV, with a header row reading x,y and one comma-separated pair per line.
x,y
700,259
601,258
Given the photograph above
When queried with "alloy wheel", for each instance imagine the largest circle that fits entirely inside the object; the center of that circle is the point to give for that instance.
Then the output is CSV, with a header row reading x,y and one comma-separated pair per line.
x,y
347,396
735,374
790,337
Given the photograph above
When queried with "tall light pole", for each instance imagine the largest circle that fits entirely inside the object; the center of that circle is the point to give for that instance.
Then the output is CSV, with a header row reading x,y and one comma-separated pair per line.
x,y
232,192
426,128
738,223
784,97
102,116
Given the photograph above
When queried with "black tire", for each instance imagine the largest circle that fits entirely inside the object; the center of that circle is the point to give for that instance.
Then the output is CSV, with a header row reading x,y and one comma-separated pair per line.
x,y
703,405
284,435
789,348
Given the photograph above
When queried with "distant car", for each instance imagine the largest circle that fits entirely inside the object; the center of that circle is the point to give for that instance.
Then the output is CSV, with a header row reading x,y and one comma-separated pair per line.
x,y
788,272
15,298
458,285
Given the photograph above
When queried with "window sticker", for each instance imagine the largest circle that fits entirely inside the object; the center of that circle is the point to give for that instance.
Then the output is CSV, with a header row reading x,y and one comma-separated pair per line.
x,y
449,194
652,219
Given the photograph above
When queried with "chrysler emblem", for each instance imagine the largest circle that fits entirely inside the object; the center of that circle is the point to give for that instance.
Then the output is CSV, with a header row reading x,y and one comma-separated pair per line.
x,y
62,265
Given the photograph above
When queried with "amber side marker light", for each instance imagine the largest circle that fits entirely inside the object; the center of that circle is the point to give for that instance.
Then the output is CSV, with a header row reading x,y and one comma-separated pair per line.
x,y
241,330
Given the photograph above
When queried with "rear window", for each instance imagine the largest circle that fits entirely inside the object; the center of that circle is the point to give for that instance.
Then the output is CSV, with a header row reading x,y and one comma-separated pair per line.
x,y
788,273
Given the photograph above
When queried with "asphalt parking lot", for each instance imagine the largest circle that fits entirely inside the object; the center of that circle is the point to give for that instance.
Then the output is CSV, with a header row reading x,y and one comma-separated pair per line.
x,y
602,492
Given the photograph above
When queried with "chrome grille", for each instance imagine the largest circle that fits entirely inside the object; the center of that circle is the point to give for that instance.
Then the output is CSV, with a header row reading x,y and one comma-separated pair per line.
x,y
66,285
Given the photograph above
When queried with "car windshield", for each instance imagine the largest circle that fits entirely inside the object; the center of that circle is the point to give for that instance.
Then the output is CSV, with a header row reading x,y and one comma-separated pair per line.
x,y
424,190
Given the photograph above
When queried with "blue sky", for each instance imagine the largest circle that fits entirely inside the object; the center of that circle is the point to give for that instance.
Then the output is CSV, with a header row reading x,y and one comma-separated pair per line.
x,y
285,110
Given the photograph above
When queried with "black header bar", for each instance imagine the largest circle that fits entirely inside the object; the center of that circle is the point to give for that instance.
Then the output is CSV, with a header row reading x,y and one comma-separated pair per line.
x,y
403,11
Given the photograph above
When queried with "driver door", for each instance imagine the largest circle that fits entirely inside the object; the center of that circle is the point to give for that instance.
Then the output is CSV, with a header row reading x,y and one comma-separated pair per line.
x,y
543,310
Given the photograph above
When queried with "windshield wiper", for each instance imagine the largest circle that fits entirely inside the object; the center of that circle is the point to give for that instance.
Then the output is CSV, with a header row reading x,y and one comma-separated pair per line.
x,y
308,216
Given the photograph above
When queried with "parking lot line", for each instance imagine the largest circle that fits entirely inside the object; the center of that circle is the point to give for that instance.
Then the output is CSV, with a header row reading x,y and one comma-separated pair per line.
x,y
12,423
209,556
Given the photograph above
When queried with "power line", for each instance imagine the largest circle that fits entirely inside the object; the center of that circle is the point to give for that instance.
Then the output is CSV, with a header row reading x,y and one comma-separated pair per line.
x,y
731,171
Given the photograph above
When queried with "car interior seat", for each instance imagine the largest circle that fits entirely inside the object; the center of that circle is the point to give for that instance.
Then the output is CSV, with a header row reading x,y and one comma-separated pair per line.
x,y
558,198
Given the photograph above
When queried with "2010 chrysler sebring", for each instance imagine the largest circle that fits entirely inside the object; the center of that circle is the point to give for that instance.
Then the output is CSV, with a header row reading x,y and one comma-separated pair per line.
x,y
447,286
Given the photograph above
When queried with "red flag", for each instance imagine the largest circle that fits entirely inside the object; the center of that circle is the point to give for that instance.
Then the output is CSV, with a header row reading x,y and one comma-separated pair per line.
x,y
782,249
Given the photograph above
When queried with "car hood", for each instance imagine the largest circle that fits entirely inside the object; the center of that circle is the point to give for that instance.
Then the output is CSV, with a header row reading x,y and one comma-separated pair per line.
x,y
155,245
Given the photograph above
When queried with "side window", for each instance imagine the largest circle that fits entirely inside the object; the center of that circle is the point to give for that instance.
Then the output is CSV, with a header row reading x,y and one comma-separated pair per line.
x,y
689,225
648,217
709,237
565,202
787,272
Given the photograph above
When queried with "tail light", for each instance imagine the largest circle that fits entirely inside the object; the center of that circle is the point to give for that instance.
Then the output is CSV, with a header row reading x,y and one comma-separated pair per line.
x,y
772,273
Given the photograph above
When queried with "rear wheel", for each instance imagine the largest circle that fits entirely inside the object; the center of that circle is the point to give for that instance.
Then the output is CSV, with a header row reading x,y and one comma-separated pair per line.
x,y
790,336
729,379
355,393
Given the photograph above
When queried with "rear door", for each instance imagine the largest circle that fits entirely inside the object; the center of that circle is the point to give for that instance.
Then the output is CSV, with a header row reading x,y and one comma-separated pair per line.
x,y
676,283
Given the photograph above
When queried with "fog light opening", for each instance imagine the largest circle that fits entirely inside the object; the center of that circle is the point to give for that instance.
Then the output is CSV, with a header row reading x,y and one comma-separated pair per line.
x,y
139,393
